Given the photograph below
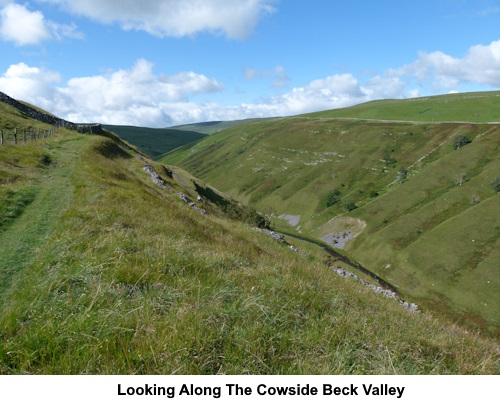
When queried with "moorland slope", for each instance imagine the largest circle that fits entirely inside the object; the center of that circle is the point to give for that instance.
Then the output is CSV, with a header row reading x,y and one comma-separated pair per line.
x,y
410,199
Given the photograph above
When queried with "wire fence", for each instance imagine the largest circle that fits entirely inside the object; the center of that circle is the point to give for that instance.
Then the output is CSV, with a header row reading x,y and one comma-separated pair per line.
x,y
22,136
18,136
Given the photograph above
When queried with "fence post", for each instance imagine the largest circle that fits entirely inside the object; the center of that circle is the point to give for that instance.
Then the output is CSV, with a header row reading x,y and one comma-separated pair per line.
x,y
15,136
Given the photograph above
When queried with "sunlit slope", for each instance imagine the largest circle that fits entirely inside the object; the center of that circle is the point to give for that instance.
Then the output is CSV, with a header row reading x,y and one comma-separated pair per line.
x,y
463,107
431,215
117,275
438,234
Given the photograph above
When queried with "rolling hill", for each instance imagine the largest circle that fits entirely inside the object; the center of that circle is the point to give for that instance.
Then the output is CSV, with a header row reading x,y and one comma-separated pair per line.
x,y
126,272
396,191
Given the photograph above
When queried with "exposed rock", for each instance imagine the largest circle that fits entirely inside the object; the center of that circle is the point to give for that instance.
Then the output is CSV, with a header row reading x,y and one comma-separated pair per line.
x,y
338,240
155,177
184,198
293,220
379,290
276,236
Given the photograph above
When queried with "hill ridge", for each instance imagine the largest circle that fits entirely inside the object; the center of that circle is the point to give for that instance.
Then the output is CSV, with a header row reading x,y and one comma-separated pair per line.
x,y
49,118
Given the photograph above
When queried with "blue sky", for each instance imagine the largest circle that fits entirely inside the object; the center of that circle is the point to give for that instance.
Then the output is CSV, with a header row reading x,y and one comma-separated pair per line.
x,y
161,63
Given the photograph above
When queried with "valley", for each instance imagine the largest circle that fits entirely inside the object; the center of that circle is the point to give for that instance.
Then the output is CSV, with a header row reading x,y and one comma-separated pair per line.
x,y
111,264
397,196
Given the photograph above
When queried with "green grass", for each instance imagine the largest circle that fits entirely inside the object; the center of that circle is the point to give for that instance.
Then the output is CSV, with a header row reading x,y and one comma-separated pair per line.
x,y
155,141
415,224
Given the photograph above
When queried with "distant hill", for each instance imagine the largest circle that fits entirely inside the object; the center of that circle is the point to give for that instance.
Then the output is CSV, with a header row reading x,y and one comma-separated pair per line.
x,y
212,127
155,141
401,197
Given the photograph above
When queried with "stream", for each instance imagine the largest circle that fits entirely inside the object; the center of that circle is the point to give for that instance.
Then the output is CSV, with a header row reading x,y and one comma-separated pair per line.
x,y
338,256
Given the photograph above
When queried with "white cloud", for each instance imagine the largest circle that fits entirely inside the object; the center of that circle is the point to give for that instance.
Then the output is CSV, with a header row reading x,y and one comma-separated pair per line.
x,y
25,27
30,84
384,87
278,75
60,31
134,96
481,65
21,26
334,91
138,96
251,73
175,18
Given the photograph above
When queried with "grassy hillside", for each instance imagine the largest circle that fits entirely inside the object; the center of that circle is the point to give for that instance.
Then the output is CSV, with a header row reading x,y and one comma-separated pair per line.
x,y
212,127
155,141
119,275
397,196
464,107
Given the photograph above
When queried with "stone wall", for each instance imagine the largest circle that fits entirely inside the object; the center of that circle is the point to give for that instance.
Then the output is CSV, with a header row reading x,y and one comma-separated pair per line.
x,y
50,119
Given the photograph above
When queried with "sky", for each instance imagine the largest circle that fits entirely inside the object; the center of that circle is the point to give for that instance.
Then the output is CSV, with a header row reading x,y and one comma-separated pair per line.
x,y
159,63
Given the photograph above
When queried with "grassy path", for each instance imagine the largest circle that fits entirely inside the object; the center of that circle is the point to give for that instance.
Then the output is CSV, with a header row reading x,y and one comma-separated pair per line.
x,y
21,241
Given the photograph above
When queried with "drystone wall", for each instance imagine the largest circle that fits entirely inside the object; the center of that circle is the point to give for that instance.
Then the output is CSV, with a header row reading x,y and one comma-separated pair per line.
x,y
48,118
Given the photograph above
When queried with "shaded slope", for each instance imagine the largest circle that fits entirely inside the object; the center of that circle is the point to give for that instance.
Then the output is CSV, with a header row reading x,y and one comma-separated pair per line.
x,y
155,141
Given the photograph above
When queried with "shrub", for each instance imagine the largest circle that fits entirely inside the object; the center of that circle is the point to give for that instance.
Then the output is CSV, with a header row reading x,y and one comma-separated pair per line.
x,y
460,140
402,174
496,184
390,161
349,204
333,197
